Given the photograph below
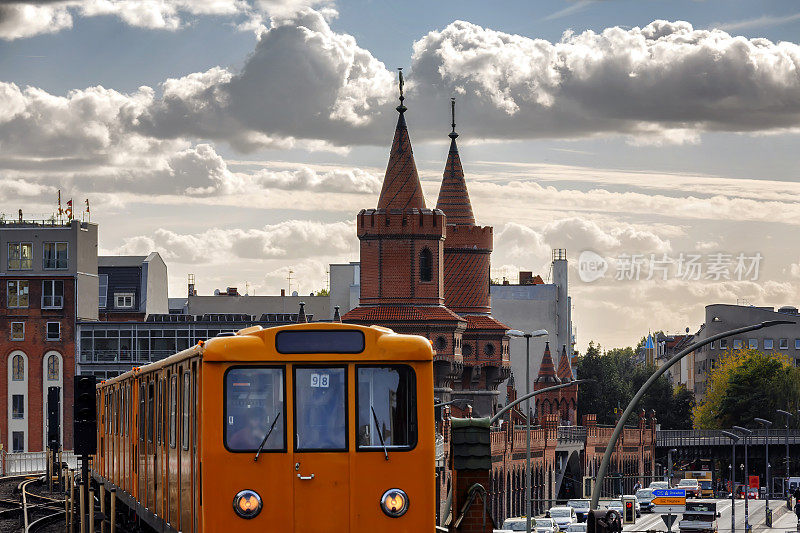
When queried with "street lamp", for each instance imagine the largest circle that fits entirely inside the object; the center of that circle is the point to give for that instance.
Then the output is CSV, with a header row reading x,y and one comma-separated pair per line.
x,y
734,439
669,465
528,336
767,424
788,416
747,434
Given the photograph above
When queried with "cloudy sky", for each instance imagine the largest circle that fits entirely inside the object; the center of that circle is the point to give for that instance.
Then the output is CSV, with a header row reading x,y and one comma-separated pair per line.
x,y
239,138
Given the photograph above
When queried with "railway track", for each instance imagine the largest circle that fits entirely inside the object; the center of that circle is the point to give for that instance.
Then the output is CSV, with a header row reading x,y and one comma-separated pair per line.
x,y
23,508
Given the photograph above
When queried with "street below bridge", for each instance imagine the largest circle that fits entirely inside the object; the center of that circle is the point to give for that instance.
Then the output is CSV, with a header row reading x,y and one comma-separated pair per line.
x,y
783,519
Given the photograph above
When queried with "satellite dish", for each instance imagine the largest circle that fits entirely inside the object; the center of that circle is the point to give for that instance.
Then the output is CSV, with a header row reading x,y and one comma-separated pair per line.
x,y
294,293
687,331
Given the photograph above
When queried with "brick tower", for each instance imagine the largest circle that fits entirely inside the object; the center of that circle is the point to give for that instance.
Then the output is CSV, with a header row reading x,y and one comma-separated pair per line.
x,y
547,403
568,401
402,246
467,259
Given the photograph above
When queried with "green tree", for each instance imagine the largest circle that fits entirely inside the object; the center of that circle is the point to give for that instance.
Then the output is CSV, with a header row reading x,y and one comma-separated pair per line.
x,y
746,384
617,377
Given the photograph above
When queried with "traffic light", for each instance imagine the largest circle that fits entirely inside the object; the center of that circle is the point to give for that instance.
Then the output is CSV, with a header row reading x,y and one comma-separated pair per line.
x,y
54,417
588,485
85,415
629,512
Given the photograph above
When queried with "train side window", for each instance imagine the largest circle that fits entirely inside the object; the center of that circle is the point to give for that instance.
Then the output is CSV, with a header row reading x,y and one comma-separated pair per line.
x,y
386,403
142,399
151,410
160,410
185,417
254,407
173,409
320,400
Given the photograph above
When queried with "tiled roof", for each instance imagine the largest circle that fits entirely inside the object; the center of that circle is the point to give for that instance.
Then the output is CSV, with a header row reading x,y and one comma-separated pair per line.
x,y
564,368
401,187
400,313
453,194
460,290
547,371
484,322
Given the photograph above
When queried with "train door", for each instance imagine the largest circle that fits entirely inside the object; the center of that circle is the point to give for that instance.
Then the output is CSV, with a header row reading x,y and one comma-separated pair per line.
x,y
197,489
321,457
184,492
157,456
173,468
152,480
141,456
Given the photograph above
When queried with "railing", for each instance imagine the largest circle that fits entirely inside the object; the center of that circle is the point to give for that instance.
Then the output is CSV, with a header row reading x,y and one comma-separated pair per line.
x,y
572,434
30,462
714,437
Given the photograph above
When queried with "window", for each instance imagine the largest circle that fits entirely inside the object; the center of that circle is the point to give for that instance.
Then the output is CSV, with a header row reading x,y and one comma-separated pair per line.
x,y
141,412
20,256
737,344
103,299
797,344
254,405
784,344
52,294
18,293
151,412
723,344
466,350
18,368
711,346
55,256
124,300
320,409
488,349
425,265
18,441
185,404
441,343
768,344
173,410
53,331
752,344
18,331
52,368
319,341
18,406
386,408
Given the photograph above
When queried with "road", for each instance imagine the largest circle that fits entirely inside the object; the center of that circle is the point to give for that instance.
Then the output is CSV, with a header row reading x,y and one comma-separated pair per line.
x,y
654,522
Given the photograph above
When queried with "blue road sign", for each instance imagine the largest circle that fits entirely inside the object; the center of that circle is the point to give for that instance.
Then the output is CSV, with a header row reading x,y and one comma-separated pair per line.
x,y
669,493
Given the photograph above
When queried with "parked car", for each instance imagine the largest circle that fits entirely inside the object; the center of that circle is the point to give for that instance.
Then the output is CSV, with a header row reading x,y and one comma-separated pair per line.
x,y
540,525
615,505
691,486
544,525
636,506
659,485
581,509
577,528
645,499
564,516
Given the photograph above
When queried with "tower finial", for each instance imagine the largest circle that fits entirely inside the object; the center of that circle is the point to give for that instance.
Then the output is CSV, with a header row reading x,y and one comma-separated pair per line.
x,y
453,133
401,108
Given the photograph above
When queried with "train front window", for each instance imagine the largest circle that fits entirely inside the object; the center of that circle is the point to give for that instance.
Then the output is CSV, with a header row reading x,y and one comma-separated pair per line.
x,y
320,409
386,408
254,405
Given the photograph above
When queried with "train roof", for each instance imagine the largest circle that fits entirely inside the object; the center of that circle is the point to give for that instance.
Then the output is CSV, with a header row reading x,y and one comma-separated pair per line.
x,y
251,344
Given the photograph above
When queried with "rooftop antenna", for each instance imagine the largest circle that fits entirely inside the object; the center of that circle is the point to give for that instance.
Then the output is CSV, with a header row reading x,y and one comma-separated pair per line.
x,y
289,278
401,108
327,280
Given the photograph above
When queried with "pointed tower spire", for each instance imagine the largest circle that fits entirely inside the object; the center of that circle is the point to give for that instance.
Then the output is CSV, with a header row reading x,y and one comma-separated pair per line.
x,y
564,368
336,316
453,194
547,371
401,187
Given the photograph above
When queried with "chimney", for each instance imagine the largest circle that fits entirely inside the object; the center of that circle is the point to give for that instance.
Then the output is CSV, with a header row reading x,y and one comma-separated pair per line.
x,y
336,316
526,278
283,292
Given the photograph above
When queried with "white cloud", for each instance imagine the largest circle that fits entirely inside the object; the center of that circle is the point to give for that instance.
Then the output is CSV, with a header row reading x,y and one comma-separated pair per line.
x,y
292,239
18,21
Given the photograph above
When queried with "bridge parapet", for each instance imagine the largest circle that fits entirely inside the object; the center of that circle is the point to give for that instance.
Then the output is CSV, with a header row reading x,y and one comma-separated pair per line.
x,y
676,438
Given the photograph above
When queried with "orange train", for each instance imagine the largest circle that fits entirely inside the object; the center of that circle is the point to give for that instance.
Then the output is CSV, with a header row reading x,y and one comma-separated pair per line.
x,y
310,427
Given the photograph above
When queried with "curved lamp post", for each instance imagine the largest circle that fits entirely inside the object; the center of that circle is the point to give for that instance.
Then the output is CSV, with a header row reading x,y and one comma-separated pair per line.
x,y
601,473
767,424
788,416
734,439
747,433
503,411
528,336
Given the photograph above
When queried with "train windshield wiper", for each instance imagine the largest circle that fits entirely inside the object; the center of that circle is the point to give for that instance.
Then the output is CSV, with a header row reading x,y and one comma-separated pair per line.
x,y
380,434
263,442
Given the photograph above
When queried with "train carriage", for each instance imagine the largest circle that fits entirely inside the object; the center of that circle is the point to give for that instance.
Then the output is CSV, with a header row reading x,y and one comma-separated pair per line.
x,y
309,427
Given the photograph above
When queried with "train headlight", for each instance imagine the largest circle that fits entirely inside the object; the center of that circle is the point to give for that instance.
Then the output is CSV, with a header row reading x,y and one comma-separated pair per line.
x,y
394,503
247,503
